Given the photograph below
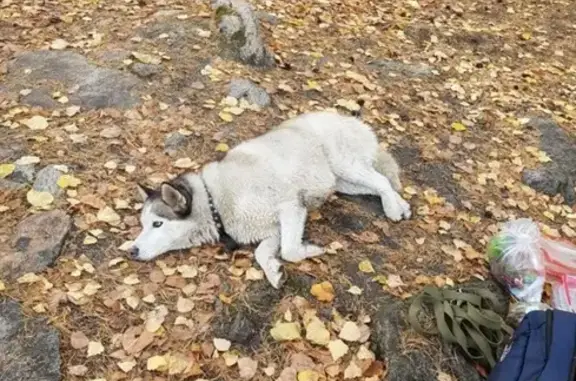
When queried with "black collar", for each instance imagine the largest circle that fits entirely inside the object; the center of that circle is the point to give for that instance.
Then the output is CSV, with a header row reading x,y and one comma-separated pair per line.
x,y
229,243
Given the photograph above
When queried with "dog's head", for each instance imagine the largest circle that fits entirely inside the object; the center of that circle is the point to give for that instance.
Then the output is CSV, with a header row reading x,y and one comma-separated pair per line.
x,y
167,221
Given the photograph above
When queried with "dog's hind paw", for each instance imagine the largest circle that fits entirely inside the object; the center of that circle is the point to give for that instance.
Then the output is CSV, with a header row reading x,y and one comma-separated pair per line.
x,y
404,206
274,273
397,208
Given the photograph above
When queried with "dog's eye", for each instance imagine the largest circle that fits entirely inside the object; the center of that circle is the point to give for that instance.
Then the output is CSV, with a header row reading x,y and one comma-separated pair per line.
x,y
157,224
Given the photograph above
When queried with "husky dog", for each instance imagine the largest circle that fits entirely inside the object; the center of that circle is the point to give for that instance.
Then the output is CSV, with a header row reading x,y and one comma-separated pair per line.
x,y
262,190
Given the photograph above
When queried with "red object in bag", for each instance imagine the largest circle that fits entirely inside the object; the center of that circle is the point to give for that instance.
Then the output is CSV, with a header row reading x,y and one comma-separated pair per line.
x,y
560,264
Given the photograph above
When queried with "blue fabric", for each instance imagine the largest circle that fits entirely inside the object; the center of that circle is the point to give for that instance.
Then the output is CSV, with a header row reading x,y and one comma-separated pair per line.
x,y
543,348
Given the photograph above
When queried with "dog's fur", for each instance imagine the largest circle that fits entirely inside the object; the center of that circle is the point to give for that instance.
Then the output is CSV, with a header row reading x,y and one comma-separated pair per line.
x,y
264,187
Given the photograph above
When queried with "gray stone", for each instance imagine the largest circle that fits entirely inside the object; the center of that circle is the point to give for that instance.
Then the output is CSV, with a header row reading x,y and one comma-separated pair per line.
x,y
23,173
11,152
47,180
91,86
556,177
240,29
40,98
386,67
29,348
270,18
9,185
253,93
174,142
36,243
114,56
145,70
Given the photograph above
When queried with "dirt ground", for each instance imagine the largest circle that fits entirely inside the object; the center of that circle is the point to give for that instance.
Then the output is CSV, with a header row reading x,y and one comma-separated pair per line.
x,y
448,86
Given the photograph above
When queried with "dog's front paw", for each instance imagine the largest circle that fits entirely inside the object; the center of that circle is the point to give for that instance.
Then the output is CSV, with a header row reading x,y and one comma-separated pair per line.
x,y
404,206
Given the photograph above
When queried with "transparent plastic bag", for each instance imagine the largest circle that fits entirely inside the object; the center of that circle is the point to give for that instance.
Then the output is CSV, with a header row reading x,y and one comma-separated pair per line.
x,y
516,260
517,311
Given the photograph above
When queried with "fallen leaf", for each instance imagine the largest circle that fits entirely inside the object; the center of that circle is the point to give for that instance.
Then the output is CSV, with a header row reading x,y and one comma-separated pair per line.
x,y
285,331
147,58
230,359
247,367
27,160
366,266
72,110
254,274
94,348
108,215
155,318
68,181
91,288
227,117
348,104
350,332
452,251
324,291
2,286
158,363
6,170
184,305
394,281
188,271
39,199
352,371
222,147
28,278
184,163
457,126
337,349
126,366
78,340
308,375
221,345
444,377
36,123
317,333
131,279
59,44
77,370
355,290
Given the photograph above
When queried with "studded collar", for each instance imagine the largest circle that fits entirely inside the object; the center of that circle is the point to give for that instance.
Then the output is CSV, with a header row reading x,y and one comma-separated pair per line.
x,y
229,243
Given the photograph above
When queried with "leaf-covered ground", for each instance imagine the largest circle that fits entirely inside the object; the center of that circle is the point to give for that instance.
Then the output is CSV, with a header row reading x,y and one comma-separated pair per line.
x,y
448,86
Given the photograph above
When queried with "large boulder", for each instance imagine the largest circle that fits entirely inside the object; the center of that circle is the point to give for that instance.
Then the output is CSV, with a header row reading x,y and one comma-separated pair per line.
x,y
87,85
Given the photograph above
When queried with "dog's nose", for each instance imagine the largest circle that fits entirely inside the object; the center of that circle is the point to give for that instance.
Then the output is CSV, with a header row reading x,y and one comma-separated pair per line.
x,y
134,251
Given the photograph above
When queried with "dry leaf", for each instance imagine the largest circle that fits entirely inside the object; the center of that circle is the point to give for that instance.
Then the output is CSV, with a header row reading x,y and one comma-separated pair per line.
x,y
126,366
155,318
337,349
352,371
36,123
6,170
221,344
324,291
350,332
254,274
457,126
147,58
308,375
158,363
285,331
184,305
78,340
247,367
108,215
94,348
227,117
444,377
184,163
39,199
355,290
131,279
366,266
394,281
77,370
59,44
317,333
222,147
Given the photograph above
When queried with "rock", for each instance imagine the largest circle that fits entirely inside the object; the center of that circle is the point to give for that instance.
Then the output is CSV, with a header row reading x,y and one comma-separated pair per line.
x,y
558,176
9,185
174,142
89,86
36,243
11,152
145,70
29,348
551,180
114,56
253,93
40,98
46,180
23,173
239,27
385,67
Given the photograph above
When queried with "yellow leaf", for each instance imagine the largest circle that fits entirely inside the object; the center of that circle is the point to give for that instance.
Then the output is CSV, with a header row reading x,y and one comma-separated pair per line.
x,y
158,363
355,290
312,85
308,375
337,349
526,36
380,279
89,240
324,291
6,170
126,366
457,126
366,266
108,215
222,147
39,199
147,58
317,333
350,332
285,331
221,345
227,117
184,162
348,104
36,123
2,286
68,181
184,305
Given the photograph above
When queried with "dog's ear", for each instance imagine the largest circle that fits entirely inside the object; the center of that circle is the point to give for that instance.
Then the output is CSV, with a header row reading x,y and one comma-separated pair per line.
x,y
144,191
174,198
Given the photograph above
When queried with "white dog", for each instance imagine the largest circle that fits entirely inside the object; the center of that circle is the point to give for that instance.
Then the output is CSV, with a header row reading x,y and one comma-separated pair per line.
x,y
262,190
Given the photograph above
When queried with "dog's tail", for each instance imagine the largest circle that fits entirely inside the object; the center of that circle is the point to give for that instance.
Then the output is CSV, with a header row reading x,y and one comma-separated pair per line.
x,y
387,166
